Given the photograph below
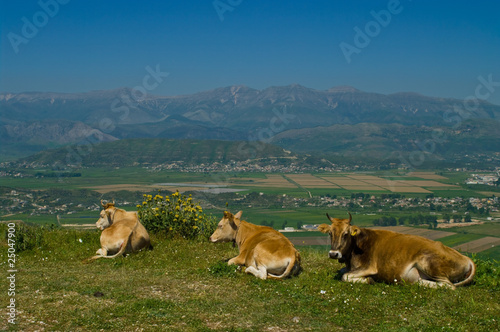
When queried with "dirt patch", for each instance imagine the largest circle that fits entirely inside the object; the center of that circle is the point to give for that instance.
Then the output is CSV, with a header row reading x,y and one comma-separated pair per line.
x,y
310,181
364,187
78,225
347,182
408,190
458,224
427,183
116,187
427,233
363,177
427,175
479,244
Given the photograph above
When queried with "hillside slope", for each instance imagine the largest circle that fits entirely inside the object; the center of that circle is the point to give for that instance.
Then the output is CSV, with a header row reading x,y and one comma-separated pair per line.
x,y
137,151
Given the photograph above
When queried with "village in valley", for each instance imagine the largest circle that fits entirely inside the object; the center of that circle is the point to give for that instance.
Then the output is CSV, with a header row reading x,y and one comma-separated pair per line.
x,y
454,209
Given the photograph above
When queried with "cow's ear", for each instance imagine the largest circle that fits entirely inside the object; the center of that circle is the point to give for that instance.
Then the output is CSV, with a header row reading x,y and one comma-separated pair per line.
x,y
324,228
238,215
355,230
228,215
234,223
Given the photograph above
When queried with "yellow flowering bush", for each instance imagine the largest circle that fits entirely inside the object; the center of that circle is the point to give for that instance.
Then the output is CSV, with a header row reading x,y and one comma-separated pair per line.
x,y
175,215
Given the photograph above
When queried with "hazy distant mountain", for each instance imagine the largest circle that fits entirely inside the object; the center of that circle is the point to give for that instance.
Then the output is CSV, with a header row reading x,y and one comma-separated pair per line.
x,y
33,121
375,141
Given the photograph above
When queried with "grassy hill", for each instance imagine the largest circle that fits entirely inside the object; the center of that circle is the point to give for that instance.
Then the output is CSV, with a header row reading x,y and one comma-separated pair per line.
x,y
186,286
131,152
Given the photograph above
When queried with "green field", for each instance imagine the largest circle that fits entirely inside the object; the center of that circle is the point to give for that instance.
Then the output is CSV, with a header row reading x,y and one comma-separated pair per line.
x,y
135,179
454,240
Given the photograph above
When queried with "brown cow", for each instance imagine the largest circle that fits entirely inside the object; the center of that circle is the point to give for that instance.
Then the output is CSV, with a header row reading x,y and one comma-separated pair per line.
x,y
122,232
265,252
388,256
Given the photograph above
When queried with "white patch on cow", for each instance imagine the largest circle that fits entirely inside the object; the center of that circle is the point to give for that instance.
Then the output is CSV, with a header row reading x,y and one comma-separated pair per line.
x,y
261,272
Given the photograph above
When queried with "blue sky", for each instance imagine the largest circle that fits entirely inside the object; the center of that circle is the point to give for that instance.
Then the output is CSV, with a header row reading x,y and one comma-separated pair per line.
x,y
436,48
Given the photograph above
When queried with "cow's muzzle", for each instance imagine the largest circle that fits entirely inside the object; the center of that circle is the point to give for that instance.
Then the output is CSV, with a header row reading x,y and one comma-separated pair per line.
x,y
335,254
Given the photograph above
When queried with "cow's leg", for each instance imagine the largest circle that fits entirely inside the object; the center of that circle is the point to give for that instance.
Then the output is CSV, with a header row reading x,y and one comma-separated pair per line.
x,y
238,260
361,276
416,274
103,251
435,284
260,272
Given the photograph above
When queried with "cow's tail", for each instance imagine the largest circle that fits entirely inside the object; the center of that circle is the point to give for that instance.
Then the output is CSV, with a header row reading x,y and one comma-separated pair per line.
x,y
293,268
470,274
123,246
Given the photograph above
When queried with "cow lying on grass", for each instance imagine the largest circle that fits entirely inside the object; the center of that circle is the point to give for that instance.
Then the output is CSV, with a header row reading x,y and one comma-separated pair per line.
x,y
122,232
387,256
265,252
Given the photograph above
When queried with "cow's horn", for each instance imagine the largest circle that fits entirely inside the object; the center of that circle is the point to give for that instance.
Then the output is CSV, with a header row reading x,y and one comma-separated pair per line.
x,y
328,216
102,203
350,217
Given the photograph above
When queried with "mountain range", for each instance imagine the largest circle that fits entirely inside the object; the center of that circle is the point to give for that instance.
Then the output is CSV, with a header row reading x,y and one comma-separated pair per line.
x,y
339,121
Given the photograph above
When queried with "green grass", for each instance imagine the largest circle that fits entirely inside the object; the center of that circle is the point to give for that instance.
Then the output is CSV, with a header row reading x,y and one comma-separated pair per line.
x,y
185,286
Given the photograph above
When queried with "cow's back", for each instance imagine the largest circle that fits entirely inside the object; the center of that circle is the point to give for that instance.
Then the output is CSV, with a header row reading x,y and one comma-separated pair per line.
x,y
267,239
392,253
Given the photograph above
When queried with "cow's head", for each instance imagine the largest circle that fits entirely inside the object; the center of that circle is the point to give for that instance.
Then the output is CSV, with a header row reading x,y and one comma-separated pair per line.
x,y
105,217
227,228
341,233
